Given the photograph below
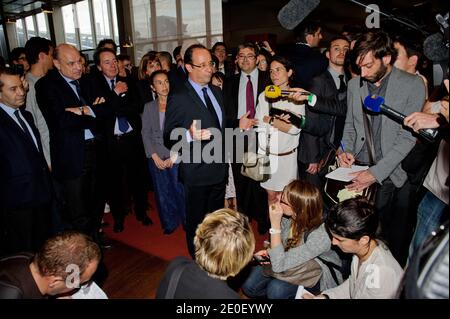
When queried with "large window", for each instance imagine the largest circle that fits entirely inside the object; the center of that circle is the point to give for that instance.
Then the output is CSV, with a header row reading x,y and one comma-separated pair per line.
x,y
21,35
31,26
41,20
164,24
89,21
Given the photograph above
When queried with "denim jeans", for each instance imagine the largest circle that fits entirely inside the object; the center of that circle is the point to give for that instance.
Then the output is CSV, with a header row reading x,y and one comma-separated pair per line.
x,y
259,286
429,216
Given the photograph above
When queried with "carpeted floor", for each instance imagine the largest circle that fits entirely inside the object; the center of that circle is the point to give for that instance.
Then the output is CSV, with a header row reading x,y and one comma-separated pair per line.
x,y
152,240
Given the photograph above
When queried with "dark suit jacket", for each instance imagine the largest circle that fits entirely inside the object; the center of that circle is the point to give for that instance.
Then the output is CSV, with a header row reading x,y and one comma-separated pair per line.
x,y
24,176
231,92
184,106
54,95
115,105
308,63
329,111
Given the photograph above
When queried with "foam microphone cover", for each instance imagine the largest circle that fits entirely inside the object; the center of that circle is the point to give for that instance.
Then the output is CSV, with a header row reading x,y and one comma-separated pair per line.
x,y
373,103
295,12
434,48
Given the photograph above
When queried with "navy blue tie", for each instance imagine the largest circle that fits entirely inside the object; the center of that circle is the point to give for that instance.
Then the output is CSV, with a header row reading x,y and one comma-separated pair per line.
x,y
78,88
122,120
210,107
23,126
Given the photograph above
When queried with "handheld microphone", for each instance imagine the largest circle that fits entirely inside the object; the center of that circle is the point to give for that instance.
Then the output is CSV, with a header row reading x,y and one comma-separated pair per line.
x,y
274,91
376,104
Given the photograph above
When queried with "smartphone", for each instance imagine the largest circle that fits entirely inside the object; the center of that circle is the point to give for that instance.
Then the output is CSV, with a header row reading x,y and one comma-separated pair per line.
x,y
262,259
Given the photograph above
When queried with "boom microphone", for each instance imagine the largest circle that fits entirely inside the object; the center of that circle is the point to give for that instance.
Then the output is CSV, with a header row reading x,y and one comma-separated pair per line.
x,y
434,48
376,104
295,12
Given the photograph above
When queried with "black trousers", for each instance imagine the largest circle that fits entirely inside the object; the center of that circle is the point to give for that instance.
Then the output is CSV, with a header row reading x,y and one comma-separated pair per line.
x,y
25,229
396,217
127,176
251,197
201,200
81,196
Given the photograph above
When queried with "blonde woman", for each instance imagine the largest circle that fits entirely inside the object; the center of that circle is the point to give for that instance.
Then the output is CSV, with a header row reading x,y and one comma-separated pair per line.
x,y
224,244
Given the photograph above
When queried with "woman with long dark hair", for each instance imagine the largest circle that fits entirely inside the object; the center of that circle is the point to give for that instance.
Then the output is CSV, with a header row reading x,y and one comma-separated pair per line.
x,y
297,236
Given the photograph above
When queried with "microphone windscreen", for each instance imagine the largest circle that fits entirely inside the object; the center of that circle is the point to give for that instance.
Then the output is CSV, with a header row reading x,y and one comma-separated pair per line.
x,y
295,12
272,92
434,48
373,103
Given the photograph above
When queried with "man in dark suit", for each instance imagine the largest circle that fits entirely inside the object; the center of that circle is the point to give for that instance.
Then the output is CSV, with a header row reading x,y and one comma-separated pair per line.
x,y
25,186
124,167
219,49
198,103
328,121
241,93
307,59
73,148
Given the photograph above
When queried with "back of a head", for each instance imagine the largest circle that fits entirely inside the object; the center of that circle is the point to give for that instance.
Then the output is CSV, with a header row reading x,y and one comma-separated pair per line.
x,y
62,250
224,243
107,43
353,219
307,28
36,45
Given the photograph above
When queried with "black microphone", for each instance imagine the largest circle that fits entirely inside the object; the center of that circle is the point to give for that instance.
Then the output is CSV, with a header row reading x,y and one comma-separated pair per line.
x,y
295,12
376,104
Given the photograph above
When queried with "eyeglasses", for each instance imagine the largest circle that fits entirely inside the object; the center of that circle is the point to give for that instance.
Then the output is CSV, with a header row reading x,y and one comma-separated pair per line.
x,y
247,57
203,66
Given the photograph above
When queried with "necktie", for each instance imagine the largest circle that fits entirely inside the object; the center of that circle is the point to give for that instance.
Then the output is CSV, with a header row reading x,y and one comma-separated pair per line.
x,y
210,107
113,85
250,99
78,88
342,85
122,120
23,126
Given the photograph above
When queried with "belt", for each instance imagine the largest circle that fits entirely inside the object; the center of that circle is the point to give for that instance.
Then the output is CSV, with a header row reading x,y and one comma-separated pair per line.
x,y
285,153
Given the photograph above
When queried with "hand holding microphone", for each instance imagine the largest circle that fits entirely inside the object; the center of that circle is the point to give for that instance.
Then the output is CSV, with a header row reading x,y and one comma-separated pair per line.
x,y
376,104
297,94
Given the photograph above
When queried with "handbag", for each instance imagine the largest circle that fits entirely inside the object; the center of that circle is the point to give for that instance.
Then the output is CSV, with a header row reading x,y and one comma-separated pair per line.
x,y
336,191
256,166
306,274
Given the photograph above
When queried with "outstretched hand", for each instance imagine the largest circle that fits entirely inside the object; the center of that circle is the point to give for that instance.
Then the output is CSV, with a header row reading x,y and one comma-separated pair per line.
x,y
246,123
199,134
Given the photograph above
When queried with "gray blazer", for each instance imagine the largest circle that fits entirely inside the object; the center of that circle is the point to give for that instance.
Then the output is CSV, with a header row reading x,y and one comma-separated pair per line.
x,y
152,135
406,94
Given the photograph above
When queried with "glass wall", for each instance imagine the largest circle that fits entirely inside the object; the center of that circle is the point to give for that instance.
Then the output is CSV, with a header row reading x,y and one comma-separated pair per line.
x,y
89,21
31,26
162,25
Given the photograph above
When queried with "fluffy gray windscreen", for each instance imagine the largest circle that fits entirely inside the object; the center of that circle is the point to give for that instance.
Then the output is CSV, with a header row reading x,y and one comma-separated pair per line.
x,y
295,12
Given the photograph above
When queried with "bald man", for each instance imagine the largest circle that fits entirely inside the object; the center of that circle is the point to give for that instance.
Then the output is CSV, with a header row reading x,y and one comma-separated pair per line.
x,y
71,120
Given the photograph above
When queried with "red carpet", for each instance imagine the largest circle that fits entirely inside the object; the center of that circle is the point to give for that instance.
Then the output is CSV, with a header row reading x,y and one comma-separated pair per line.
x,y
152,240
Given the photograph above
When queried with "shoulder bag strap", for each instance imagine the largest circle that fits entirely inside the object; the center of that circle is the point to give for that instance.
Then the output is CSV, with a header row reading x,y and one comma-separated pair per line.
x,y
173,282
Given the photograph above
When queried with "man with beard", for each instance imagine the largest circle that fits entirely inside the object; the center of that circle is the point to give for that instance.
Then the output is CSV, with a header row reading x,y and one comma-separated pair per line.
x,y
375,54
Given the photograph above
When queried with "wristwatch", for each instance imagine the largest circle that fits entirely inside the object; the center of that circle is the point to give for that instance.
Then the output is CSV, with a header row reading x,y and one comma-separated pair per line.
x,y
82,110
274,231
